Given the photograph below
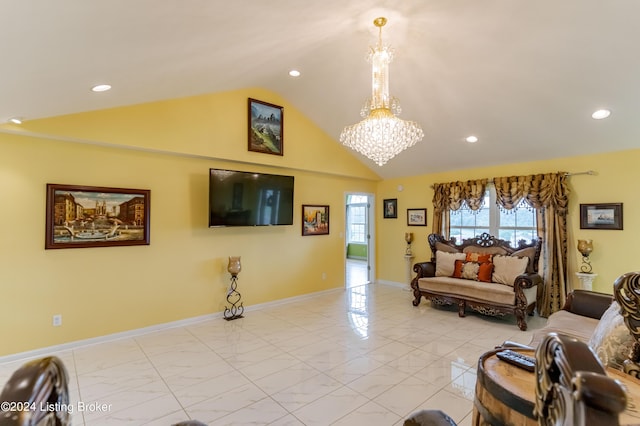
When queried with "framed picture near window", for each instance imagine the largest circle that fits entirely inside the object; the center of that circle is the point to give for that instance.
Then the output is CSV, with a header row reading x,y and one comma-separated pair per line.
x,y
417,217
266,129
601,216
390,208
315,219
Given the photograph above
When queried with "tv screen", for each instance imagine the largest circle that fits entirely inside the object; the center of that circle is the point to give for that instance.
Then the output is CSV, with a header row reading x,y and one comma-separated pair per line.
x,y
249,199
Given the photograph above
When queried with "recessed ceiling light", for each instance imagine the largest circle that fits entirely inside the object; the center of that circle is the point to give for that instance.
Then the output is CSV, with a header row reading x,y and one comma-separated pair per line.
x,y
16,120
101,88
471,139
601,113
294,73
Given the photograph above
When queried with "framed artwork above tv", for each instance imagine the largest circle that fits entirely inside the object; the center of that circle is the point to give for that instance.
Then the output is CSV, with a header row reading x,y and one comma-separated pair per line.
x,y
266,128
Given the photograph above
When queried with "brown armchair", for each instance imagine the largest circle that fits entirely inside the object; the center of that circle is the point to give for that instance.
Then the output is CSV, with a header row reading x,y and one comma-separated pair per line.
x,y
626,290
36,394
572,388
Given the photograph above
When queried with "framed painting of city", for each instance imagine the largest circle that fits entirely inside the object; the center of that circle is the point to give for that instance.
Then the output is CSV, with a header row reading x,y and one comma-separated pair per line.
x,y
601,216
265,127
315,219
90,216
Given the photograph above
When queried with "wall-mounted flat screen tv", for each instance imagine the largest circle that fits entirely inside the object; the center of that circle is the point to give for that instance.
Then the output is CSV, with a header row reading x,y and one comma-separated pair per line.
x,y
239,198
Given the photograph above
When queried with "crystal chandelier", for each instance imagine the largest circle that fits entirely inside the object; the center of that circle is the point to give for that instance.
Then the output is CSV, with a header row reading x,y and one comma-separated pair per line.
x,y
381,135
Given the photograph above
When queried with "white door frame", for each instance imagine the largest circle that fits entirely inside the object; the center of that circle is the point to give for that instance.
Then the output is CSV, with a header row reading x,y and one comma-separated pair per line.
x,y
371,232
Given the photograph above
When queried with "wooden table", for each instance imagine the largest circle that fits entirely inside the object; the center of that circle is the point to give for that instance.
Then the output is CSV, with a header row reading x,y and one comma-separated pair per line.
x,y
505,394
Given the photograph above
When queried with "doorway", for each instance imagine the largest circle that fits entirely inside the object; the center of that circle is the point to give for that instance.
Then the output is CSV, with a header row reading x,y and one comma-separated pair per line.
x,y
358,239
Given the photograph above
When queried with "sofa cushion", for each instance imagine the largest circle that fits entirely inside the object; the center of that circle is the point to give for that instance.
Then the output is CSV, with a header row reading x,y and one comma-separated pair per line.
x,y
507,268
565,322
445,262
477,271
611,340
474,290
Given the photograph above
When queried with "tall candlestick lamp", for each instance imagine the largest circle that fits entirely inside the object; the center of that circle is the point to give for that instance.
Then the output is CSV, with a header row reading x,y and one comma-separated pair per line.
x,y
408,237
585,247
233,295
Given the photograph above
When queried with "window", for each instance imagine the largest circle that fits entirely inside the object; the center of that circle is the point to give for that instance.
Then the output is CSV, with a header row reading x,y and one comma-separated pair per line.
x,y
357,223
357,219
510,225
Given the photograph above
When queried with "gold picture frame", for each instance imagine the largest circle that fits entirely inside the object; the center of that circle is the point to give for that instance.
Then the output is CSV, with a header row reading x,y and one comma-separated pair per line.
x,y
92,216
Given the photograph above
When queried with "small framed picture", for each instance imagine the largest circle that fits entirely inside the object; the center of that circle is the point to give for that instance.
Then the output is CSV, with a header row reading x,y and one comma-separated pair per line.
x,y
417,217
266,130
315,220
390,208
601,216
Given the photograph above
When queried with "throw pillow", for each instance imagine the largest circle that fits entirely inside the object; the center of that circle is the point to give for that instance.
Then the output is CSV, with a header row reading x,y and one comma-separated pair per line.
x,y
477,271
445,262
530,253
611,340
507,268
479,257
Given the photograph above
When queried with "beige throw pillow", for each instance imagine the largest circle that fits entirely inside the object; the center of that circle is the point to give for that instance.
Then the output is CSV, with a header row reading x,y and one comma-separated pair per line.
x,y
445,262
611,340
507,268
529,253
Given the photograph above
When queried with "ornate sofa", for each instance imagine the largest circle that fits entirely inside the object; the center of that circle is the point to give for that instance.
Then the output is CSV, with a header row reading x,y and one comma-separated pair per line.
x,y
578,318
572,386
484,274
626,290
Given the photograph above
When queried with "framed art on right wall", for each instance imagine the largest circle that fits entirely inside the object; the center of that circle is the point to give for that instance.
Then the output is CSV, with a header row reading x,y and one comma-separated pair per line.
x,y
601,216
416,217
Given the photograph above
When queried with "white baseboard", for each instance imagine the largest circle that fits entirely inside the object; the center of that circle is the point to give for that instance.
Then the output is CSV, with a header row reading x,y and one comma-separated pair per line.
x,y
47,351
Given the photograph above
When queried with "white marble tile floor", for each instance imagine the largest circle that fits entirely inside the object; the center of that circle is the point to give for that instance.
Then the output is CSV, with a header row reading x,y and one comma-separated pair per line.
x,y
359,356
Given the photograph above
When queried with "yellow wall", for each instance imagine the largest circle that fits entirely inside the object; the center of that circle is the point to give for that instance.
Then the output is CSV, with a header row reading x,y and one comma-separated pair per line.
x,y
167,147
614,251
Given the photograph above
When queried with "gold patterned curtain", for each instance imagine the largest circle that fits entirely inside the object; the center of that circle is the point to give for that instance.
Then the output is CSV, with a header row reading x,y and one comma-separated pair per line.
x,y
549,195
451,196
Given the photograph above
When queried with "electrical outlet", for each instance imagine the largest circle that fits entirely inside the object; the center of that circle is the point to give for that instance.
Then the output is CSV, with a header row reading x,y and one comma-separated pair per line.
x,y
57,320
324,275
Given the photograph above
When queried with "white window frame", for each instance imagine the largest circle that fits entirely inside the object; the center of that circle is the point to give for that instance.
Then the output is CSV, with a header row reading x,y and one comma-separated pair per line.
x,y
494,219
351,223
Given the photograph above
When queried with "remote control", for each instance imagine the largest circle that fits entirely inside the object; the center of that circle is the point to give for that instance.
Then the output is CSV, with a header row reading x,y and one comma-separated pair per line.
x,y
519,360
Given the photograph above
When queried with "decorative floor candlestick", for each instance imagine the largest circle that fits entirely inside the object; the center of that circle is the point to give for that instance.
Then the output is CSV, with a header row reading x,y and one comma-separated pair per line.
x,y
585,247
233,296
408,237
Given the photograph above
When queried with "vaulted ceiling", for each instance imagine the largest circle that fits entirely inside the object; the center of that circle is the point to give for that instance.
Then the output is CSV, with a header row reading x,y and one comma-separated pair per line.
x,y
523,76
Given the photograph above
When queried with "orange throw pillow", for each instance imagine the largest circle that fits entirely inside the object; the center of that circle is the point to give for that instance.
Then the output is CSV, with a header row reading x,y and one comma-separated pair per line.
x,y
477,271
